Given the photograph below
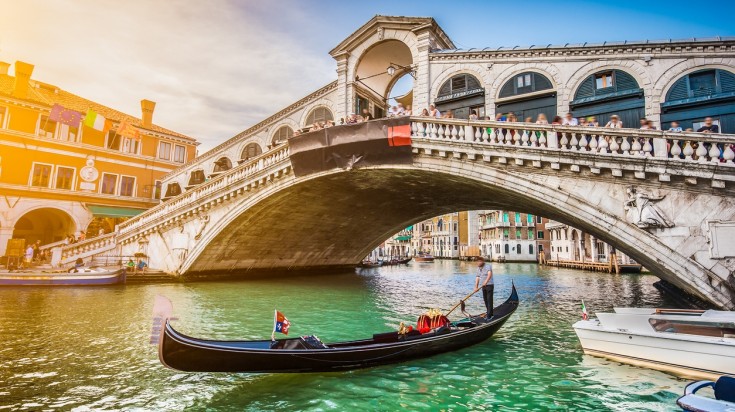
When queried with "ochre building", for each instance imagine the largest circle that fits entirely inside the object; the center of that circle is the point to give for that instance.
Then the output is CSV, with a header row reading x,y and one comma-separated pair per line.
x,y
57,179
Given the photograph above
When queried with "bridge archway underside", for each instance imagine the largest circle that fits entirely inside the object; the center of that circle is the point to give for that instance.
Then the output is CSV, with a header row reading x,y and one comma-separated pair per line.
x,y
334,219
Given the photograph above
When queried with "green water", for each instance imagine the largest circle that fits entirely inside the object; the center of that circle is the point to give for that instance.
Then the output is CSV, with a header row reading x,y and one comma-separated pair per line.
x,y
86,348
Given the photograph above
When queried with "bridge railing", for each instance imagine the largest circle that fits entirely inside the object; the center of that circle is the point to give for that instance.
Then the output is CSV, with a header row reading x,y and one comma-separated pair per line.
x,y
190,197
686,147
69,253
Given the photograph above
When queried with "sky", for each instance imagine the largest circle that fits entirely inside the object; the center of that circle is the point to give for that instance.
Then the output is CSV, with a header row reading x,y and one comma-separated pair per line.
x,y
217,67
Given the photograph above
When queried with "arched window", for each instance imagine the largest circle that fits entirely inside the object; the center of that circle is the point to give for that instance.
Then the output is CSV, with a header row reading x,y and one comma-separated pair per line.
x,y
700,94
196,177
250,151
507,248
463,84
518,249
319,114
606,82
281,135
172,189
526,82
222,164
530,249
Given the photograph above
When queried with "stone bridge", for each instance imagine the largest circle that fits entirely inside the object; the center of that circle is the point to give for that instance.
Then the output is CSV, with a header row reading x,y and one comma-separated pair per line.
x,y
325,199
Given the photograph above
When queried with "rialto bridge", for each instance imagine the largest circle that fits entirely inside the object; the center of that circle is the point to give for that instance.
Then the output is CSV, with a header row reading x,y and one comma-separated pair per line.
x,y
267,201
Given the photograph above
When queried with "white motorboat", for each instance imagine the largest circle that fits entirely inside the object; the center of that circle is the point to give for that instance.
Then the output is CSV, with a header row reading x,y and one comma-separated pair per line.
x,y
691,343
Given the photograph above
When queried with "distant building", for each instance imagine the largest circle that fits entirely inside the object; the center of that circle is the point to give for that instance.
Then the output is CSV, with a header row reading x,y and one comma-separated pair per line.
x,y
508,236
572,244
445,236
60,175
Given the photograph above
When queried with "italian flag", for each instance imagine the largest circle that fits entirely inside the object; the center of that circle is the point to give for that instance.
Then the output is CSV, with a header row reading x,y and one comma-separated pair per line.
x,y
96,121
585,316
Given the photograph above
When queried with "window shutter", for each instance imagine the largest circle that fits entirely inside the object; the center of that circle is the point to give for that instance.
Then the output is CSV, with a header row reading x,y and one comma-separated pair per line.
x,y
586,89
679,91
624,81
727,80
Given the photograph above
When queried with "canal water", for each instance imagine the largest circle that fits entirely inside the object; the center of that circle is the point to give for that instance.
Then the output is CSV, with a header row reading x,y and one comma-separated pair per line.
x,y
86,349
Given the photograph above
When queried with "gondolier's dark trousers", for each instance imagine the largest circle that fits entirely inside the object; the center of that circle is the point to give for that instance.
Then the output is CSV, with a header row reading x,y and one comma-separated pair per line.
x,y
487,296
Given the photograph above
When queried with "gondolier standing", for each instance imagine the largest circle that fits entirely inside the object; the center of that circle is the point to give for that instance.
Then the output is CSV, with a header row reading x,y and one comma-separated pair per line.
x,y
485,270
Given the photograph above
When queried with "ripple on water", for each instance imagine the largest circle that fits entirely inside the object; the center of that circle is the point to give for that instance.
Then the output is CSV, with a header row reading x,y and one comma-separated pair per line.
x,y
72,349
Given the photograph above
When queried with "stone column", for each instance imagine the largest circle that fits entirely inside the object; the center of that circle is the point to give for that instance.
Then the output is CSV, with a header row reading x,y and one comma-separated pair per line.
x,y
5,234
341,108
593,248
422,85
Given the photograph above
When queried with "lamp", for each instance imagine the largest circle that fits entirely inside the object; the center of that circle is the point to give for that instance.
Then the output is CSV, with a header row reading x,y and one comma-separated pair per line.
x,y
391,70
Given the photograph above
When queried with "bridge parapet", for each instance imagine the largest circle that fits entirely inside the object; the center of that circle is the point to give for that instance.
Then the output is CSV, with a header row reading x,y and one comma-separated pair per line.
x,y
62,255
198,197
690,155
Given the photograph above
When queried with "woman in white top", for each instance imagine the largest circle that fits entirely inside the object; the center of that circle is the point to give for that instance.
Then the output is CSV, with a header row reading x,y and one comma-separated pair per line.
x,y
541,119
614,122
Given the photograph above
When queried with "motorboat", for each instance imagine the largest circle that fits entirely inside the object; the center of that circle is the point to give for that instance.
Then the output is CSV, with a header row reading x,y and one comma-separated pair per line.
x,y
723,401
84,276
691,343
424,258
309,354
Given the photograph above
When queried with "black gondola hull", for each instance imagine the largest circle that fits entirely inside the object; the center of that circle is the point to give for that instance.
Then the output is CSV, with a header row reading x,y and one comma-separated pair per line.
x,y
189,354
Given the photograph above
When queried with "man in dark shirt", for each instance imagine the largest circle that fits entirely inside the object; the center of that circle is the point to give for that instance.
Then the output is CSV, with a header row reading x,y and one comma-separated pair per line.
x,y
709,127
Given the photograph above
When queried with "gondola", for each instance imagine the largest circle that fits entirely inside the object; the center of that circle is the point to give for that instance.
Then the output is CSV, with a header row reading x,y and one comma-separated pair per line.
x,y
309,354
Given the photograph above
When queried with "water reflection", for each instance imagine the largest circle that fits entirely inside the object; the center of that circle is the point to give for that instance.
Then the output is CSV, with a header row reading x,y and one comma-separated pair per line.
x,y
86,348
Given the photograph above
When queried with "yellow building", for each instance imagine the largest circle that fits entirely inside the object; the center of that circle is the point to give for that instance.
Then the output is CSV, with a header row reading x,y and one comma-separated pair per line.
x,y
57,179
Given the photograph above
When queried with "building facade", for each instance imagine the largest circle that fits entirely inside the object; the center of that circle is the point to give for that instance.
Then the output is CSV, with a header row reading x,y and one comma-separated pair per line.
x,y
61,177
570,244
664,81
508,236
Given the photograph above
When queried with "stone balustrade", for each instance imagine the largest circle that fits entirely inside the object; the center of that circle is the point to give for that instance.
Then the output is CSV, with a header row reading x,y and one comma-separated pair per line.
x,y
202,193
687,147
61,255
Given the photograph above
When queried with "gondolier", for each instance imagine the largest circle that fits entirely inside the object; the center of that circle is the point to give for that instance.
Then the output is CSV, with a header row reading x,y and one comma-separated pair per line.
x,y
485,270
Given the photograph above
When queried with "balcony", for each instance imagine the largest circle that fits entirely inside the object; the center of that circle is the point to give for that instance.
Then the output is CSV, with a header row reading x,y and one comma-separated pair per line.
x,y
495,225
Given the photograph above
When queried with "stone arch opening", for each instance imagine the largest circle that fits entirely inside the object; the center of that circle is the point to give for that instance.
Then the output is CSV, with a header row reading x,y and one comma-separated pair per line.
x,y
281,135
378,70
251,150
221,165
45,224
708,92
461,96
196,177
318,114
172,190
527,94
610,92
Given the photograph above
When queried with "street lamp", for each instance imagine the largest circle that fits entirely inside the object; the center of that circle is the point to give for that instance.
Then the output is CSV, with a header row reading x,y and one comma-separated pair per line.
x,y
393,67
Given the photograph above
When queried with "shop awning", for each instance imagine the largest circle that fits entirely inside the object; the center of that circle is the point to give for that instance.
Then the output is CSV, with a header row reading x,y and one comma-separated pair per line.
x,y
403,238
112,211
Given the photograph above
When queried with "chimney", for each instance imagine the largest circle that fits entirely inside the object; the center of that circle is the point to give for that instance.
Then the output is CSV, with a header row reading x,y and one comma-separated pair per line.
x,y
147,107
4,67
23,73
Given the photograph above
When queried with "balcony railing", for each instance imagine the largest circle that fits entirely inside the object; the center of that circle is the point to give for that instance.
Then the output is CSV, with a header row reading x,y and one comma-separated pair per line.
x,y
680,147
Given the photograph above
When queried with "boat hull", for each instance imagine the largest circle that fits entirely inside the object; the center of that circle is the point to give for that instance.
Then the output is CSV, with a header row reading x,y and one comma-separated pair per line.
x,y
424,259
698,359
184,353
64,279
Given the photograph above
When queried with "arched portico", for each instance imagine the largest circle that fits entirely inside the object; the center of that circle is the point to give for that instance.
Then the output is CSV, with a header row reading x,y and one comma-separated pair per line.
x,y
45,224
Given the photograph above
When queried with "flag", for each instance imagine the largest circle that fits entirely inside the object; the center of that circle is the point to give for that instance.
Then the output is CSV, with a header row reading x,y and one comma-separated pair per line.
x,y
96,121
126,129
65,116
585,316
280,324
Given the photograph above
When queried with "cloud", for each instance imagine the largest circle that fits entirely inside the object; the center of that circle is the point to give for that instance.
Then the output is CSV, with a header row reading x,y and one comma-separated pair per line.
x,y
214,68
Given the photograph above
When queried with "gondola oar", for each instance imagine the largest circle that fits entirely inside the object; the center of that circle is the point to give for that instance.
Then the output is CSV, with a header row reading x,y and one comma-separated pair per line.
x,y
461,301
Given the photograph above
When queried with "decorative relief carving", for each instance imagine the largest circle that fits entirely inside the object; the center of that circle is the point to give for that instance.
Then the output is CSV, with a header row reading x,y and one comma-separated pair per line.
x,y
641,210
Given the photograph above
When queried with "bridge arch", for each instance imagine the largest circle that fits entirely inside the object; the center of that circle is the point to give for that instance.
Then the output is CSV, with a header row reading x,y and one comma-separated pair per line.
x,y
430,187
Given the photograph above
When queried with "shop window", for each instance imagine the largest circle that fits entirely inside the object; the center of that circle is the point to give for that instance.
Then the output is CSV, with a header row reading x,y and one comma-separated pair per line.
x,y
603,80
41,175
109,184
180,154
127,186
65,177
164,150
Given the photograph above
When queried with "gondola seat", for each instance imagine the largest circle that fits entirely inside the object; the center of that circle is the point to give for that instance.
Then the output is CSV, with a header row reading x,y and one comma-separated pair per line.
x,y
304,342
426,323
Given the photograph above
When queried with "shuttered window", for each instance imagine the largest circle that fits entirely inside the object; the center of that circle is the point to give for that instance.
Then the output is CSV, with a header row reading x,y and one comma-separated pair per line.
x,y
526,82
459,83
606,82
250,151
319,114
282,134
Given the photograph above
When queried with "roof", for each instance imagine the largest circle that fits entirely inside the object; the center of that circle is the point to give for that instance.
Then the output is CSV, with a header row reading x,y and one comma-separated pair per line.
x,y
47,95
716,39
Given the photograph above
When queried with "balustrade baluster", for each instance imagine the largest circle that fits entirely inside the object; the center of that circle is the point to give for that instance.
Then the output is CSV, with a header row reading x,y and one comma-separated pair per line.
x,y
647,148
524,138
625,146
593,143
440,132
603,144
478,134
701,152
534,138
714,152
564,141
583,142
636,147
675,149
486,137
508,136
728,154
542,139
574,142
454,132
414,129
461,133
433,131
